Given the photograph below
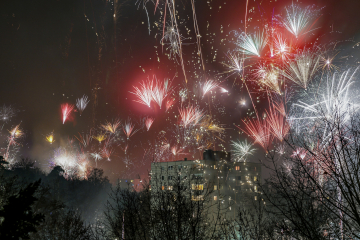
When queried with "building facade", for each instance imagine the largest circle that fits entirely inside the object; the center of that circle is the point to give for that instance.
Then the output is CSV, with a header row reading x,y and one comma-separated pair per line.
x,y
216,176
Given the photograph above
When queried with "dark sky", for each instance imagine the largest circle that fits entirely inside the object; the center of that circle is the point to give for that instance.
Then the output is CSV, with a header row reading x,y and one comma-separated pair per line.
x,y
50,55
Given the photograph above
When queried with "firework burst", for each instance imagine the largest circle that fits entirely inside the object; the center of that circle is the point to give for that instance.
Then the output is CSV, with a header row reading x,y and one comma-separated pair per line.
x,y
251,45
66,110
190,115
302,69
148,122
50,138
208,86
259,130
241,149
111,127
297,20
81,103
128,129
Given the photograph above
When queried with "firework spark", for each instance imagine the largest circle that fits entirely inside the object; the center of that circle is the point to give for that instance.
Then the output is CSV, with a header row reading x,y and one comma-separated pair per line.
x,y
100,137
301,70
241,150
148,122
209,86
269,77
297,20
259,131
111,127
97,156
66,110
128,129
169,104
190,115
144,93
6,113
81,103
251,45
279,127
50,138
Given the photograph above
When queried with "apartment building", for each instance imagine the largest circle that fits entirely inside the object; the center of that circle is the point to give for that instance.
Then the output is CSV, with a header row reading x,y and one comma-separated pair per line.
x,y
232,183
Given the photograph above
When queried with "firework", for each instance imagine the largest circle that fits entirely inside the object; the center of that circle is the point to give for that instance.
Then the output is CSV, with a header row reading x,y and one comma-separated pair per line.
x,y
282,49
208,86
223,90
148,122
160,91
84,139
97,156
268,77
6,113
111,127
299,152
241,150
128,129
50,138
144,93
15,134
235,64
175,150
190,115
66,110
169,104
100,137
106,153
334,103
251,45
297,20
301,70
279,127
259,130
81,103
67,160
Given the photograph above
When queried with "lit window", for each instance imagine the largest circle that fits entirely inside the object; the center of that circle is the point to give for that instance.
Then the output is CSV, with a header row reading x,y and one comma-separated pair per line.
x,y
214,166
247,178
197,198
197,187
255,188
215,187
255,198
162,187
215,198
237,168
170,187
255,178
131,180
254,168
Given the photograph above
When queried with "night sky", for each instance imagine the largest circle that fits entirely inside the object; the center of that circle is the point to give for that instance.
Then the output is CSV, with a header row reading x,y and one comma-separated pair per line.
x,y
53,52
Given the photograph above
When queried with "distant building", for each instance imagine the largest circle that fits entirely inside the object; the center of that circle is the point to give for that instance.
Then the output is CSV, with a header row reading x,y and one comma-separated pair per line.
x,y
233,183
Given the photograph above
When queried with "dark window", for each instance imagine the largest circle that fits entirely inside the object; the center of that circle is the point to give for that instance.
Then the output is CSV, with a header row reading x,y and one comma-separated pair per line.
x,y
170,167
238,177
162,177
169,177
238,188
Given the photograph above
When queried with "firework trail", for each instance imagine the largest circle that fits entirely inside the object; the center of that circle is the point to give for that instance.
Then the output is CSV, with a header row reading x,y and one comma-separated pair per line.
x,y
297,20
97,157
85,140
100,137
148,122
50,138
128,129
144,93
235,64
251,45
160,91
258,130
66,110
209,86
190,115
279,127
169,104
269,77
15,134
241,150
302,69
81,103
111,127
